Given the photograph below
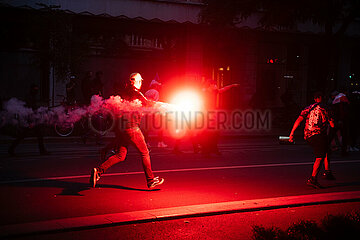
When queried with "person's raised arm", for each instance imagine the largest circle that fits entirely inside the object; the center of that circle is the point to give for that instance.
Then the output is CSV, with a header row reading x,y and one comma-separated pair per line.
x,y
228,87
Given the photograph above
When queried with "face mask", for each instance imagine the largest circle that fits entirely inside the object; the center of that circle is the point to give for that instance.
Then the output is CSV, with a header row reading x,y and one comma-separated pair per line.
x,y
138,84
137,81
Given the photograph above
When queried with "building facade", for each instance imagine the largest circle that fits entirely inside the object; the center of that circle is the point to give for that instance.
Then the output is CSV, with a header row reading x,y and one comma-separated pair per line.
x,y
47,41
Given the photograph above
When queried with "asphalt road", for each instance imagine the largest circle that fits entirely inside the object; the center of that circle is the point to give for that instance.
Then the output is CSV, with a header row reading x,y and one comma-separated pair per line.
x,y
39,188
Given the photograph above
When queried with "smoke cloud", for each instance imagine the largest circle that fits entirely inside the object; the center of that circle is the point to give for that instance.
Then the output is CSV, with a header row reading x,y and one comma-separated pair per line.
x,y
16,113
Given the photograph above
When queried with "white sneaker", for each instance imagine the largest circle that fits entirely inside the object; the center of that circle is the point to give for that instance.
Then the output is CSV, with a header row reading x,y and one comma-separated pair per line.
x,y
94,177
155,182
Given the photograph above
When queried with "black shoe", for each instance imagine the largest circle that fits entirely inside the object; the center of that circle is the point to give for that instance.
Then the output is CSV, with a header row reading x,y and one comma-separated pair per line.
x,y
328,175
155,182
313,183
94,177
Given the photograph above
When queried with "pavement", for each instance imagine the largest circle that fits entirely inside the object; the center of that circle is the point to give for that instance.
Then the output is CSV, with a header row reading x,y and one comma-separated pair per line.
x,y
61,225
124,218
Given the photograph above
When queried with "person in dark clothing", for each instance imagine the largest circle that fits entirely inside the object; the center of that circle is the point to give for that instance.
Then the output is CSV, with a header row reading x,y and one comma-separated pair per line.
x,y
129,133
97,86
340,106
209,138
317,120
354,119
86,90
71,90
33,128
89,88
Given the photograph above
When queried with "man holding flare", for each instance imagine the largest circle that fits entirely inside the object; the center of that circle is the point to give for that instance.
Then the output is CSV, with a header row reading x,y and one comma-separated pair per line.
x,y
130,133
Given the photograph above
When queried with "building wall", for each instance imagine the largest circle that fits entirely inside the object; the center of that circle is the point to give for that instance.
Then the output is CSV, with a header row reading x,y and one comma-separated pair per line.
x,y
18,71
180,11
199,55
194,54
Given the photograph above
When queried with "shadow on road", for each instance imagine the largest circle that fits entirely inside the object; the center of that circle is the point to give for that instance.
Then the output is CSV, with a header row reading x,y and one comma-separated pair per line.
x,y
73,188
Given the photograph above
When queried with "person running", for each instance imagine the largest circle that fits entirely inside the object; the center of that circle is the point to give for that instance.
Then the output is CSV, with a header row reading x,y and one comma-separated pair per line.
x,y
130,133
317,120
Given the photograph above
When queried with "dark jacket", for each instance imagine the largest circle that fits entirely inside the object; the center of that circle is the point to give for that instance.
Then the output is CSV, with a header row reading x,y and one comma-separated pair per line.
x,y
132,119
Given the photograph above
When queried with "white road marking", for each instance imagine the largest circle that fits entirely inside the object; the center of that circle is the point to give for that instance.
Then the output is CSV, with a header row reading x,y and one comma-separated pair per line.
x,y
176,170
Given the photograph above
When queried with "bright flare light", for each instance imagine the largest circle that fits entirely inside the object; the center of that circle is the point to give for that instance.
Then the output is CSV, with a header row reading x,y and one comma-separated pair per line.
x,y
187,106
187,101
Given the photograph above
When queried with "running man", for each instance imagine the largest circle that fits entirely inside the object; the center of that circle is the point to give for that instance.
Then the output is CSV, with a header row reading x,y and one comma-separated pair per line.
x,y
130,133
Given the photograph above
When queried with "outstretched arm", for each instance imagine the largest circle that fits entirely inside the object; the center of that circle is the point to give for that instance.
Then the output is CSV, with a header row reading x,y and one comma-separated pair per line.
x,y
296,125
144,100
228,87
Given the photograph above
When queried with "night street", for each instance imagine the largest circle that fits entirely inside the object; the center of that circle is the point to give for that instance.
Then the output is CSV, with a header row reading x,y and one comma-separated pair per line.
x,y
40,188
179,119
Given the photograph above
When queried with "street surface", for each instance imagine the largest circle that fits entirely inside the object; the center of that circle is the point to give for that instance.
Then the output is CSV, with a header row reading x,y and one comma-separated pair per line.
x,y
40,188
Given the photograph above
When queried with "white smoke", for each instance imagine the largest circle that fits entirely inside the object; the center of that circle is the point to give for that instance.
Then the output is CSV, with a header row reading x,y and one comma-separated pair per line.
x,y
16,113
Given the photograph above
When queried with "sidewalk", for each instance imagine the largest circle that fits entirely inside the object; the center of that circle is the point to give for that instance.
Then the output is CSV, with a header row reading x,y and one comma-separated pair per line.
x,y
107,220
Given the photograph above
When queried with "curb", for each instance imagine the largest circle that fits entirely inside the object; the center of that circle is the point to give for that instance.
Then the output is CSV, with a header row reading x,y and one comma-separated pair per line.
x,y
106,220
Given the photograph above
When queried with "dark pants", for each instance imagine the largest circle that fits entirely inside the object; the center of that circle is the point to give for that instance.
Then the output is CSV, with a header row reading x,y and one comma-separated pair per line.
x,y
26,132
319,144
135,137
343,128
